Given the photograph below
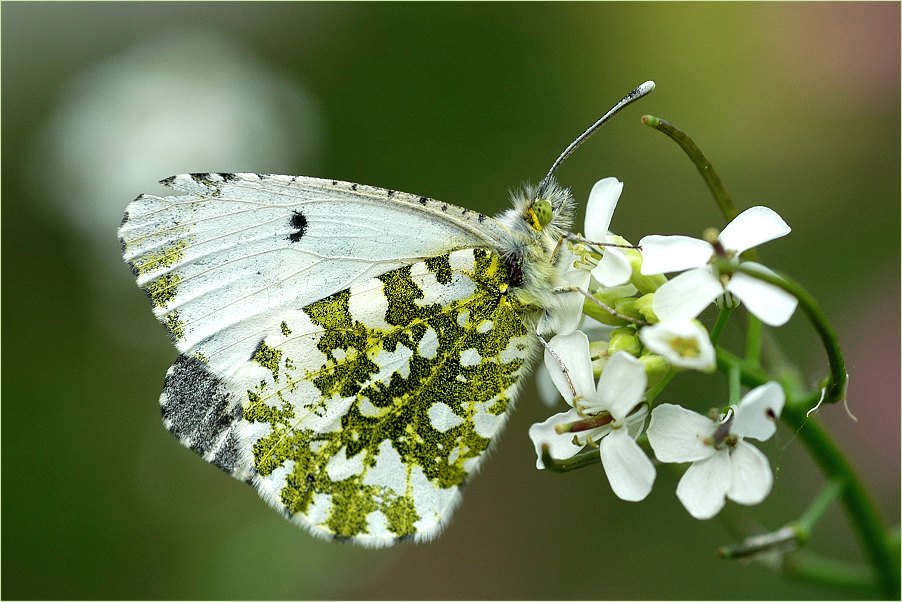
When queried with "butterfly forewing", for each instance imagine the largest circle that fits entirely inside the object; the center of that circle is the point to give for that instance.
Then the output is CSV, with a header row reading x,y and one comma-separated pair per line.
x,y
218,262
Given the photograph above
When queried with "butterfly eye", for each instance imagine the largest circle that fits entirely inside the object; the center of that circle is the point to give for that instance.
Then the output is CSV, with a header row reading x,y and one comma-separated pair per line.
x,y
541,213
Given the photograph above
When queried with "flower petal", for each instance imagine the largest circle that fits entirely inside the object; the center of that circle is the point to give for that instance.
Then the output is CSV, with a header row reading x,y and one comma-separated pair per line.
x,y
758,410
751,475
548,392
770,304
566,316
560,446
569,314
703,488
600,207
677,434
685,296
752,227
635,422
683,343
613,268
661,254
630,472
571,351
621,385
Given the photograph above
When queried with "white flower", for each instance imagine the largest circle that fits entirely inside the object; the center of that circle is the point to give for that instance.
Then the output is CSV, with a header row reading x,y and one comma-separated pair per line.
x,y
724,465
683,343
686,295
613,268
609,407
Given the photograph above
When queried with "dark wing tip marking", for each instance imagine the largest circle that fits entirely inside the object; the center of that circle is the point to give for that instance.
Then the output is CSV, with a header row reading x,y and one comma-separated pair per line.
x,y
299,225
199,409
227,177
167,182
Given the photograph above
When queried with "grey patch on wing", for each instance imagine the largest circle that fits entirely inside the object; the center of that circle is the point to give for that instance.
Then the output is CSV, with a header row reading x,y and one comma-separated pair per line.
x,y
199,410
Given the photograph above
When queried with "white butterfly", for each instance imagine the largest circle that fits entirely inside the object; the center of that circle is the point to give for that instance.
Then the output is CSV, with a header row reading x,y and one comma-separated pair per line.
x,y
350,351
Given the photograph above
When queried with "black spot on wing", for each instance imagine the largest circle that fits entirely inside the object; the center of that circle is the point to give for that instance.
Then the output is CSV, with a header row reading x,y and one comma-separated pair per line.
x,y
168,182
299,225
227,177
197,407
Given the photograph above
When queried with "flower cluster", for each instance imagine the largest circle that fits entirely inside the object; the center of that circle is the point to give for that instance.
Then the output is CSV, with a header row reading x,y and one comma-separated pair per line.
x,y
651,330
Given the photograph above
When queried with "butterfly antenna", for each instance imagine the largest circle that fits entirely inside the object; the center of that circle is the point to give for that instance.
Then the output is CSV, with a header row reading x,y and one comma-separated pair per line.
x,y
640,91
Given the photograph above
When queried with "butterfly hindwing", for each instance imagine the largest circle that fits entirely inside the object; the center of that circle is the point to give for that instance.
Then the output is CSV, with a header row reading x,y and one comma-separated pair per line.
x,y
349,351
363,414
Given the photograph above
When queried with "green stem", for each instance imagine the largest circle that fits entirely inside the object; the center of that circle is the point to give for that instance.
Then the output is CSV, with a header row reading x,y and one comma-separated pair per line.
x,y
656,390
826,571
724,201
578,461
722,318
750,376
860,508
753,341
734,385
838,380
805,524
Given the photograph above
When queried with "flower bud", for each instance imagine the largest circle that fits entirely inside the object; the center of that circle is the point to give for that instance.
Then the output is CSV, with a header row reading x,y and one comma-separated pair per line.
x,y
656,368
643,306
600,313
624,339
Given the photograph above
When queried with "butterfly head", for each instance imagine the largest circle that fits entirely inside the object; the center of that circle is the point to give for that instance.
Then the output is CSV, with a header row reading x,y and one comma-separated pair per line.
x,y
540,214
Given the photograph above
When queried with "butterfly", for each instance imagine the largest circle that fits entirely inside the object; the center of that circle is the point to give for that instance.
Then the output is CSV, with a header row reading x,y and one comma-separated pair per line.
x,y
350,351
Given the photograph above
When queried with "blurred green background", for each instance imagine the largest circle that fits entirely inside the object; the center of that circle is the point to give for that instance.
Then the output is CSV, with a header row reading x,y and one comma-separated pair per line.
x,y
797,106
